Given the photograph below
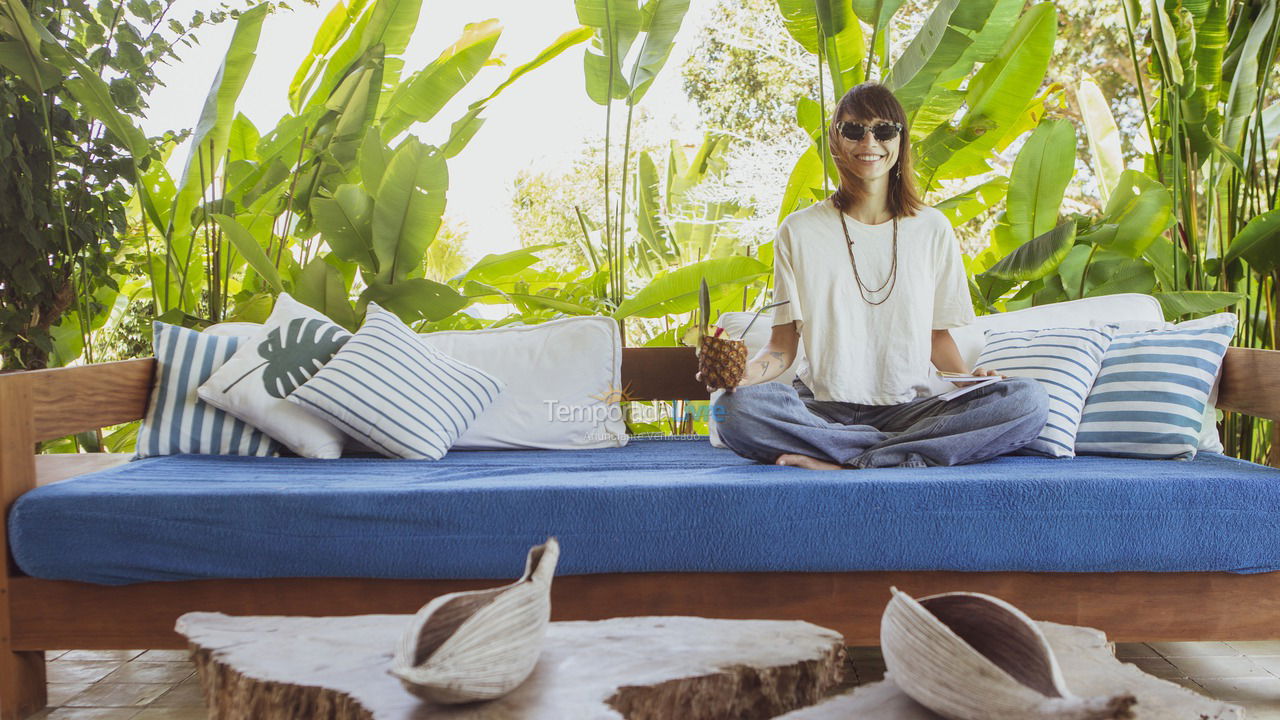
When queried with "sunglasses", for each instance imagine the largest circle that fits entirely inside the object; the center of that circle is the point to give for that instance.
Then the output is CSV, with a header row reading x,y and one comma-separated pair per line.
x,y
883,132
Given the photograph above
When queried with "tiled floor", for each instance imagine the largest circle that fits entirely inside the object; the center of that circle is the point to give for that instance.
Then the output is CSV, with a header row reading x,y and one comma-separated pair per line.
x,y
161,684
122,685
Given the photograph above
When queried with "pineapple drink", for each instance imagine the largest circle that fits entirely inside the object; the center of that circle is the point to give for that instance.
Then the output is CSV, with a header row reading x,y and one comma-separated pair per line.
x,y
722,361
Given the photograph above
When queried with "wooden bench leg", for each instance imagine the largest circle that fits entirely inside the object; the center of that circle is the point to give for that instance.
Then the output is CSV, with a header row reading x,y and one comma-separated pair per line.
x,y
22,688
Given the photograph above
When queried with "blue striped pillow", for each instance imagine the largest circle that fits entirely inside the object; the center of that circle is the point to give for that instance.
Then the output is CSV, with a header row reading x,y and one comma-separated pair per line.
x,y
396,394
177,420
1149,398
1065,361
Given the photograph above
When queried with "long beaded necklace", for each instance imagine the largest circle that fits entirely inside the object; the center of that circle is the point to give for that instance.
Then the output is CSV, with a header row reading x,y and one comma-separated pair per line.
x,y
893,267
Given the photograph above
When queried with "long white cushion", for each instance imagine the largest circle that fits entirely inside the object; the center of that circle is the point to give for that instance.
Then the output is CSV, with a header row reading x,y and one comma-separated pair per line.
x,y
563,383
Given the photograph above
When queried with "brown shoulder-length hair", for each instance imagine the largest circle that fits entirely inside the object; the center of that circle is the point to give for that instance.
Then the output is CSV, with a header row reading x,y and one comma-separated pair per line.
x,y
864,102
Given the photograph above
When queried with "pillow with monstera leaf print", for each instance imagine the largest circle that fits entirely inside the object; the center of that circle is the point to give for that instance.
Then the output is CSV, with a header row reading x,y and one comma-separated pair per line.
x,y
295,342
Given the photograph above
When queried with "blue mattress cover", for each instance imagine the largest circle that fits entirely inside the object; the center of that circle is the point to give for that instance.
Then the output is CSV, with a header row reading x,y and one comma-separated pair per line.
x,y
652,505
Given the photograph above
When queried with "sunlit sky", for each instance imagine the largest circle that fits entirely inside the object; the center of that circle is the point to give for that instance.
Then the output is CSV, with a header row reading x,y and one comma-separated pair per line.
x,y
540,121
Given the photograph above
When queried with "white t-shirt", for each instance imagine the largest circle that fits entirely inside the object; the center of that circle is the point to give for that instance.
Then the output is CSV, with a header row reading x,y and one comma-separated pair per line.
x,y
857,352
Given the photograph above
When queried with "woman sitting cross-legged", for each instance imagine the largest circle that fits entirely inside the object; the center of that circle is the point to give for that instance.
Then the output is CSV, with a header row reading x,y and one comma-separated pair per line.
x,y
871,280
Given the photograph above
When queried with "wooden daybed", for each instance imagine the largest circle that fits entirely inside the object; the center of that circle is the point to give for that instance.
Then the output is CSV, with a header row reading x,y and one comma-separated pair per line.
x,y
38,615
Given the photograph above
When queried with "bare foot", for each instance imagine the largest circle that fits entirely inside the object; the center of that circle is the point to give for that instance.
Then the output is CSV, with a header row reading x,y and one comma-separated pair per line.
x,y
805,461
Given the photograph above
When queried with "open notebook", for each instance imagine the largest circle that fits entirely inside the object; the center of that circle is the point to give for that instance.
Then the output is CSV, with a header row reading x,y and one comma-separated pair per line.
x,y
977,382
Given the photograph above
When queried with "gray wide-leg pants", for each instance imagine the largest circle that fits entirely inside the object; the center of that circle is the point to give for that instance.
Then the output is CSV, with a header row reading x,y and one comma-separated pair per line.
x,y
761,422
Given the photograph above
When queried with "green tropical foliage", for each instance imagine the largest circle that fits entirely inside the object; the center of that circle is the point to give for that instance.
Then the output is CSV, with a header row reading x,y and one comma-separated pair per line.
x,y
340,204
73,77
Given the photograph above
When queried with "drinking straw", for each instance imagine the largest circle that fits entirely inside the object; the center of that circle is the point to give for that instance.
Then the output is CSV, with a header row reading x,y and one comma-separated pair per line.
x,y
753,318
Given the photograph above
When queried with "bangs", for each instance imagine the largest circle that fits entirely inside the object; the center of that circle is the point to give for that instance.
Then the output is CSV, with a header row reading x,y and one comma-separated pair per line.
x,y
869,101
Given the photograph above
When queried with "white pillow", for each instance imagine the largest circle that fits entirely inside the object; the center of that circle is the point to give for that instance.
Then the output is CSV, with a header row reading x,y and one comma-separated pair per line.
x,y
287,350
396,394
734,324
1065,361
563,383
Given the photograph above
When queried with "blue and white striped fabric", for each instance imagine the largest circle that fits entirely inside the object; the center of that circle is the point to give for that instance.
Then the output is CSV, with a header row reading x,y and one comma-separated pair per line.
x,y
177,420
394,393
1149,398
1065,361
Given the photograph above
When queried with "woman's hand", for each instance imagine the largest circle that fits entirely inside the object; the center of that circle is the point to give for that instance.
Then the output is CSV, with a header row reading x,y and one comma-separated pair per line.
x,y
983,372
698,376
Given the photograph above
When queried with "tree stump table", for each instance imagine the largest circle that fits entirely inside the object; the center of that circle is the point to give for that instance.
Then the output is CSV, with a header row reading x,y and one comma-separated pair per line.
x,y
264,668
1089,667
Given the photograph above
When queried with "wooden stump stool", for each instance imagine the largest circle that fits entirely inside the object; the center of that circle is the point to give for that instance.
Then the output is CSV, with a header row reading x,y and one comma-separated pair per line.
x,y
1088,665
265,668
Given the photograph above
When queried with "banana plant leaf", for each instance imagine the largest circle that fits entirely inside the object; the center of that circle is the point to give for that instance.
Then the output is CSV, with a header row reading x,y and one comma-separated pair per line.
x,y
830,29
1138,211
476,291
676,291
416,299
1127,275
424,93
935,48
962,208
617,23
1043,169
1038,257
649,221
1258,243
335,26
806,175
1165,36
877,14
494,267
30,68
1195,302
321,285
996,97
213,129
1088,271
1104,137
253,253
356,102
1242,96
242,142
389,23
345,223
990,24
408,208
662,20
1050,99
938,108
465,127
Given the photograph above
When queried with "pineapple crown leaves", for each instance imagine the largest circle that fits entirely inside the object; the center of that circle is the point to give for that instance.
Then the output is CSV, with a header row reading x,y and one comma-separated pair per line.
x,y
704,307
